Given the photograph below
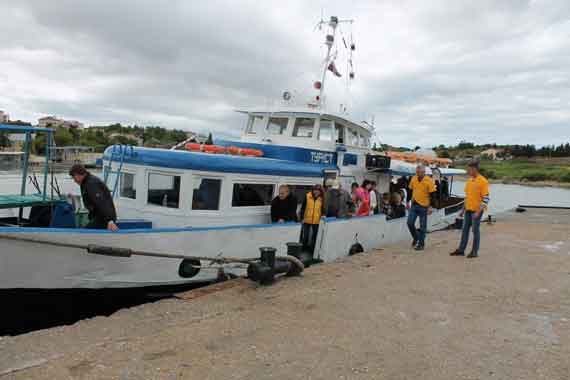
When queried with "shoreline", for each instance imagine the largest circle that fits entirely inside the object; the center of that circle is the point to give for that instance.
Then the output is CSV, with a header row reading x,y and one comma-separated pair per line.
x,y
508,181
555,184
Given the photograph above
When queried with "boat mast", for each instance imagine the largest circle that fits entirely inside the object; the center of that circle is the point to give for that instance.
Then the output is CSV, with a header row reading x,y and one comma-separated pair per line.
x,y
329,42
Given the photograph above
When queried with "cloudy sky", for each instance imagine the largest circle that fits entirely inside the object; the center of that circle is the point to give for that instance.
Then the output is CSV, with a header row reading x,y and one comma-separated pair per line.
x,y
429,72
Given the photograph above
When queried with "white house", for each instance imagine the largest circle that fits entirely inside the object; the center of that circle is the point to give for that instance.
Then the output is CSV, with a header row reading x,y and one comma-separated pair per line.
x,y
4,117
53,121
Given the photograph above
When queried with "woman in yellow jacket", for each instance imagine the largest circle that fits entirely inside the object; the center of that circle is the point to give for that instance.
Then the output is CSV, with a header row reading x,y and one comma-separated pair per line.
x,y
310,215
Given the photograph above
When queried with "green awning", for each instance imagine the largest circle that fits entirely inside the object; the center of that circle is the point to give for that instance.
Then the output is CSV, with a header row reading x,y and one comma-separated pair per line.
x,y
13,201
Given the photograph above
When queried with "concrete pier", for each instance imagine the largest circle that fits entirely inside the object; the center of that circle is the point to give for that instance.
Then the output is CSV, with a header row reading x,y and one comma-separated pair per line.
x,y
389,314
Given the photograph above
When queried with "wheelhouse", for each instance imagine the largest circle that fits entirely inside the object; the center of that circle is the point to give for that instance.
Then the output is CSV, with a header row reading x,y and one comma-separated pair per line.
x,y
301,128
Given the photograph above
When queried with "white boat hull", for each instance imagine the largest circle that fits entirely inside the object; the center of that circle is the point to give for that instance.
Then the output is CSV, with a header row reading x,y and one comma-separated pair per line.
x,y
28,258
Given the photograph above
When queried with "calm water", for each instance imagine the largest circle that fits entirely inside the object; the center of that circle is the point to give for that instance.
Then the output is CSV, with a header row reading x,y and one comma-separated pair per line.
x,y
506,197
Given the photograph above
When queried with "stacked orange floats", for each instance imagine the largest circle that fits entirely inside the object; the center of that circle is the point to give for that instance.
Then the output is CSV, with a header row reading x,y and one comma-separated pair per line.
x,y
217,149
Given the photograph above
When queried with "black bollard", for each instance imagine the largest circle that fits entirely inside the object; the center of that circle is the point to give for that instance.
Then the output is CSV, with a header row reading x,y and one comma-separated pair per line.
x,y
265,270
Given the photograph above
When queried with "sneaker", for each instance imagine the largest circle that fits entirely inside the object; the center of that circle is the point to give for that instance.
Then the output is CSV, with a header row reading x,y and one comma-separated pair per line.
x,y
419,247
457,253
414,243
472,255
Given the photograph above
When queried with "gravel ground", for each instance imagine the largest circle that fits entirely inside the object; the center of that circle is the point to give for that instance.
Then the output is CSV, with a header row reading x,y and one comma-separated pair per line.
x,y
389,314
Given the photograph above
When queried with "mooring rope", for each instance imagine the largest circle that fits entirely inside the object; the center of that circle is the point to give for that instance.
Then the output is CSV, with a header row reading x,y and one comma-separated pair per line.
x,y
127,252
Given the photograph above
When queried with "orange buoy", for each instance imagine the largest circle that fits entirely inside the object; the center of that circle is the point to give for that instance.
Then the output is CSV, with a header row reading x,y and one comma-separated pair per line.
x,y
217,149
233,150
193,146
213,149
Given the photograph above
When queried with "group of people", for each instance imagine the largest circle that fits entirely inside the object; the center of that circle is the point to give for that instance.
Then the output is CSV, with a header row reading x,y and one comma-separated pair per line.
x,y
422,196
333,201
367,200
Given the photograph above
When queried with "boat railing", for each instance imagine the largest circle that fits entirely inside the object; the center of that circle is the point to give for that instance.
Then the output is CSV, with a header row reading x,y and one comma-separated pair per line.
x,y
118,154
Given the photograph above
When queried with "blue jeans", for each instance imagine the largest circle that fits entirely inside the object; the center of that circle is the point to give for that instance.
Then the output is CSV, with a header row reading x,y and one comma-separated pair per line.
x,y
468,222
418,211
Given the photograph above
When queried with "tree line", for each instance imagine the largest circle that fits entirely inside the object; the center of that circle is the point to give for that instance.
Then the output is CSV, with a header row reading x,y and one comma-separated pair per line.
x,y
465,148
101,137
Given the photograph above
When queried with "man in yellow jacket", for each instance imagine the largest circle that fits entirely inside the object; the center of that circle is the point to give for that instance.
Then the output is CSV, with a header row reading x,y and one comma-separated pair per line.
x,y
476,202
421,195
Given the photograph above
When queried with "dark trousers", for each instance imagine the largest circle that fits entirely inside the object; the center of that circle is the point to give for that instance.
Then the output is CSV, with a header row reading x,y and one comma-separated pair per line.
x,y
470,221
96,224
418,211
309,236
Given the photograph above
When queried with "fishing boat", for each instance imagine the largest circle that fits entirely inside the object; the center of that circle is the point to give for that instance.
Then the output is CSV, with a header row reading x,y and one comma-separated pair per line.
x,y
187,208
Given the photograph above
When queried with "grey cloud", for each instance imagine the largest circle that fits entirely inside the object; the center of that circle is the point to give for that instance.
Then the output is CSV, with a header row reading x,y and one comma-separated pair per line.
x,y
431,72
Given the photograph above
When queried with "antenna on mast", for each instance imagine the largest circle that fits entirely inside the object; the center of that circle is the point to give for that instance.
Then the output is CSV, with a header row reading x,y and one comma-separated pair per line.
x,y
328,64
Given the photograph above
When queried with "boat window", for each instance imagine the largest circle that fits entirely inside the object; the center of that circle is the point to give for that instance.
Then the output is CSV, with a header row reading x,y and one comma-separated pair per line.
x,y
206,194
326,130
163,190
364,141
303,127
277,125
254,124
339,133
128,187
352,137
300,191
252,194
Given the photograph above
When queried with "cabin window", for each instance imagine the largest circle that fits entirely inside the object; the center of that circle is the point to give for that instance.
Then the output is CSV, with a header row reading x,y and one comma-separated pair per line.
x,y
339,133
255,123
352,137
364,141
304,127
128,187
252,194
206,194
277,125
163,190
326,130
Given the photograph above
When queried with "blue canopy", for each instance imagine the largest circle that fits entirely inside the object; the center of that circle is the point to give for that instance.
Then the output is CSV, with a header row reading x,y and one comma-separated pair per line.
x,y
225,163
14,128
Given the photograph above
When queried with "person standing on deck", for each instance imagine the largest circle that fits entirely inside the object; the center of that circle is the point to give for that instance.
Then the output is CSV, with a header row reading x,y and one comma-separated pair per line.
x,y
284,206
96,198
422,196
476,202
337,201
310,214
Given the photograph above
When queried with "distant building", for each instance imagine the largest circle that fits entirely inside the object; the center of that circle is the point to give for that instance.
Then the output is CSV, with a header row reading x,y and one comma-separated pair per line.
x,y
49,121
4,117
52,121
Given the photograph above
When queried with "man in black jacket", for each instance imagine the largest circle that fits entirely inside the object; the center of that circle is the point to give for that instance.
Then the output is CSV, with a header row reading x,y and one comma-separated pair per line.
x,y
96,198
284,206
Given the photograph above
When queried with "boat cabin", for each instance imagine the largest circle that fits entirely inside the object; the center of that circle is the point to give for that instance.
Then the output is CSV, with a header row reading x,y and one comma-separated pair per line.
x,y
194,188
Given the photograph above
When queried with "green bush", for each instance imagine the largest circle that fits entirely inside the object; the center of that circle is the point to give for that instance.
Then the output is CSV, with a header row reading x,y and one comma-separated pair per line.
x,y
490,174
535,176
565,177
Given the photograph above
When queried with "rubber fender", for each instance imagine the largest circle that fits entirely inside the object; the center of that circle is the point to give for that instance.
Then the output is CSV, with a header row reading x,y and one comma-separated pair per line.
x,y
355,248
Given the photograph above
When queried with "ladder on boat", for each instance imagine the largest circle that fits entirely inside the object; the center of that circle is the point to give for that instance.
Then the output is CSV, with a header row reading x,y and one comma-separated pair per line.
x,y
118,154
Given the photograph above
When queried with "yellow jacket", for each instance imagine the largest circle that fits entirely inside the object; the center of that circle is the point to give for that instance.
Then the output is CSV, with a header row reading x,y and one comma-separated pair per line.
x,y
313,209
